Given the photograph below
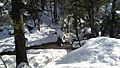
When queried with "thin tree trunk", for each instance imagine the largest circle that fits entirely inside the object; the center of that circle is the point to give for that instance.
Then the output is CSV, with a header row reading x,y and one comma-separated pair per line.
x,y
51,11
39,20
91,19
55,11
43,4
19,32
105,24
76,29
112,23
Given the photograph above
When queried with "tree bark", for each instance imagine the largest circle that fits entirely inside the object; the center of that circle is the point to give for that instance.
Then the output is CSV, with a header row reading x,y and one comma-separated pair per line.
x,y
55,11
43,4
75,25
112,23
51,11
17,17
92,20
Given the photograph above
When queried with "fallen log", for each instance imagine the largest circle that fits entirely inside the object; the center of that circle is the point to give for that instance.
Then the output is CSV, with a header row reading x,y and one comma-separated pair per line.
x,y
8,53
52,45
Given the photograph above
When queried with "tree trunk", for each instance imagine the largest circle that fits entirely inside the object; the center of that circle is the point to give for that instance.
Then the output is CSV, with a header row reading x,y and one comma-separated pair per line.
x,y
39,20
112,23
55,11
91,20
105,25
51,11
76,29
19,32
43,4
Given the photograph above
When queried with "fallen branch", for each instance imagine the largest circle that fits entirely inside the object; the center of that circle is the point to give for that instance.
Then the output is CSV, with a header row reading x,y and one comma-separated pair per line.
x,y
52,45
8,53
3,62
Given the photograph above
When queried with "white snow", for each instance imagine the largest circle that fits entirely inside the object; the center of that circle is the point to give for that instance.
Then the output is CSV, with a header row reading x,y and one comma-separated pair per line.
x,y
82,21
38,38
36,58
118,12
40,58
109,7
46,35
97,52
1,4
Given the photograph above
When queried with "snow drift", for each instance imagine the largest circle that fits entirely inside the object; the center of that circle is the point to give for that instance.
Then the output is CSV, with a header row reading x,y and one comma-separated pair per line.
x,y
96,52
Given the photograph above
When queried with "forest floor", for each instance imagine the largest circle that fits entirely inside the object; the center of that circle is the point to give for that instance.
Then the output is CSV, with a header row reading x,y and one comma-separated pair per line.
x,y
37,58
96,52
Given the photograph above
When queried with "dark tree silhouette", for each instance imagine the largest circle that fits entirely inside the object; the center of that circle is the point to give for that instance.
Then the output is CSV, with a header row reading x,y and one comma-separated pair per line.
x,y
19,32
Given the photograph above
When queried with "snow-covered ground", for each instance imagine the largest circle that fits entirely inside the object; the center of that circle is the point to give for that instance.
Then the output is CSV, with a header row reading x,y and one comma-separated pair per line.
x,y
36,58
46,35
96,52
101,52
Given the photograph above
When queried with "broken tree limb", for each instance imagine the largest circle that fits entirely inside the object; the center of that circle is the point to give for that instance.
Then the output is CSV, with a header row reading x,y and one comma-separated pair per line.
x,y
8,53
3,61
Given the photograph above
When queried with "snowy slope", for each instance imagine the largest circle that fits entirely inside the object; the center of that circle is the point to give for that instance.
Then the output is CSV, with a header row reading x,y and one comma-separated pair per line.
x,y
97,52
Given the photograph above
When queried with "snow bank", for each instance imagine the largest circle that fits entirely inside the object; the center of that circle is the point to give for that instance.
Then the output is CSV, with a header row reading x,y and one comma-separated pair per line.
x,y
97,52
